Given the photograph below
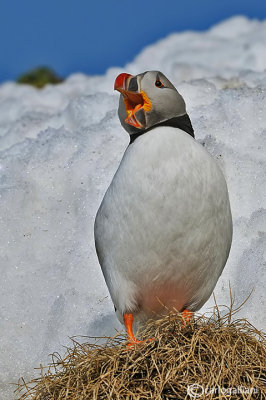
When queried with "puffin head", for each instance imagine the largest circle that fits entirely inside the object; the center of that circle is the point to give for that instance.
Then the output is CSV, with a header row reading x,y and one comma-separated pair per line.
x,y
148,99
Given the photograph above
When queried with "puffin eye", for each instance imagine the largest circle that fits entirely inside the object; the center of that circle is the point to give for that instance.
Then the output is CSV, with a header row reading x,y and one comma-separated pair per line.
x,y
159,84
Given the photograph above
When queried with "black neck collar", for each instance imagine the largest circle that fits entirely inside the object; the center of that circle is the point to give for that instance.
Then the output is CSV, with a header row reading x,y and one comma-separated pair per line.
x,y
182,123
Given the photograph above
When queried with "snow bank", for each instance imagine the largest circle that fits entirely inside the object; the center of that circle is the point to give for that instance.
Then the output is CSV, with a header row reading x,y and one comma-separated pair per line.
x,y
59,148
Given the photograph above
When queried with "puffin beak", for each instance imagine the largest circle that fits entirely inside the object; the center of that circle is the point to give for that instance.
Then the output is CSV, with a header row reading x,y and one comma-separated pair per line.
x,y
136,102
121,82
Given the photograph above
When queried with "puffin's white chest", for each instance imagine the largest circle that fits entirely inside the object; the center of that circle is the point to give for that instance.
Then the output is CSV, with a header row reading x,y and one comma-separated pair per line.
x,y
163,231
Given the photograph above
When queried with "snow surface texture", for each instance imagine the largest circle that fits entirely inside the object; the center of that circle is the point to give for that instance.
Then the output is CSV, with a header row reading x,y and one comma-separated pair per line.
x,y
60,147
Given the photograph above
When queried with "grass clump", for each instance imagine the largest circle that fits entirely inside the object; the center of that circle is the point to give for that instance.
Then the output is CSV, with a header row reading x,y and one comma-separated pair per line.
x,y
210,358
39,77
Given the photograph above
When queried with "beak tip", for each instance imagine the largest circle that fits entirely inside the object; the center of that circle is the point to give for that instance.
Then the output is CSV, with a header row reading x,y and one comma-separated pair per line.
x,y
120,81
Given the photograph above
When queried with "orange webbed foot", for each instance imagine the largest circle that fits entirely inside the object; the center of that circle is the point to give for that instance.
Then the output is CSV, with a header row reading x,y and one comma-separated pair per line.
x,y
132,341
186,317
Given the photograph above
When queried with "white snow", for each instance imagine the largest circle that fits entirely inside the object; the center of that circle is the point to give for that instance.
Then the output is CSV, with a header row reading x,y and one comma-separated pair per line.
x,y
59,148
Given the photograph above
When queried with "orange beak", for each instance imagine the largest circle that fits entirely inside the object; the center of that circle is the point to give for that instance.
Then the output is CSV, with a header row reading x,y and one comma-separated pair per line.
x,y
133,100
120,82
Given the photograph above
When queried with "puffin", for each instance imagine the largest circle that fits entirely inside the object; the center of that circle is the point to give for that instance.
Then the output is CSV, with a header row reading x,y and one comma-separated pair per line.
x,y
163,231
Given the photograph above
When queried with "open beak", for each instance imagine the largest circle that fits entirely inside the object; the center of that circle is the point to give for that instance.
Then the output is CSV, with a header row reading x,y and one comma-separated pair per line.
x,y
136,102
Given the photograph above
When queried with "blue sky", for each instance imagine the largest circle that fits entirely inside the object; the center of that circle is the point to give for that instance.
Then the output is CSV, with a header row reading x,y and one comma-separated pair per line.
x,y
90,36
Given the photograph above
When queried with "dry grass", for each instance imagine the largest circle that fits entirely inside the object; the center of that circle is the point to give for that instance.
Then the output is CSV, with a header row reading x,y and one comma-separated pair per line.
x,y
213,352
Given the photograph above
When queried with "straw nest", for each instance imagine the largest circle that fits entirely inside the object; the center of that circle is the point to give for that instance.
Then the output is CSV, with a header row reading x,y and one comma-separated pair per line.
x,y
210,358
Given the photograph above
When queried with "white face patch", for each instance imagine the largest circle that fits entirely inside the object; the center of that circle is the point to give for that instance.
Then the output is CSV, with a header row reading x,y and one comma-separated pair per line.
x,y
167,103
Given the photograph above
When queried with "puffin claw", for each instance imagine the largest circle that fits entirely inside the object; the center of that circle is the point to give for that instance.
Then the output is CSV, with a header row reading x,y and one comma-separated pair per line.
x,y
186,317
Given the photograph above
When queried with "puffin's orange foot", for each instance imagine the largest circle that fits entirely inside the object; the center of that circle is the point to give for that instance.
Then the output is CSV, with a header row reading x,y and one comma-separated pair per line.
x,y
186,317
132,341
